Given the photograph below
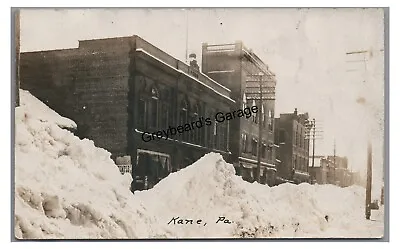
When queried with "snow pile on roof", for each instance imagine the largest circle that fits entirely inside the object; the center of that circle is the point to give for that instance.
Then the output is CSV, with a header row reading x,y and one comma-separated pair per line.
x,y
209,189
66,187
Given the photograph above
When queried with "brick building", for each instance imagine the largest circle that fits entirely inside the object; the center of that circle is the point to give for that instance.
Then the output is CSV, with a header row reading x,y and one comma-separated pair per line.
x,y
120,90
291,132
237,68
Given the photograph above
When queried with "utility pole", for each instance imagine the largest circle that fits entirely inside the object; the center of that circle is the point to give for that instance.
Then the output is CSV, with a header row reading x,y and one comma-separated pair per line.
x,y
260,87
258,176
313,146
313,134
334,160
368,189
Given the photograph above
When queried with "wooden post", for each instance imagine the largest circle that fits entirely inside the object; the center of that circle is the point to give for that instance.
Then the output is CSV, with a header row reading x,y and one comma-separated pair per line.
x,y
368,189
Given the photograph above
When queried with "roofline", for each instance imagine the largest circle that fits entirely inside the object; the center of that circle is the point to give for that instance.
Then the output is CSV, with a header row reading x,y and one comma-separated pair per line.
x,y
184,73
136,36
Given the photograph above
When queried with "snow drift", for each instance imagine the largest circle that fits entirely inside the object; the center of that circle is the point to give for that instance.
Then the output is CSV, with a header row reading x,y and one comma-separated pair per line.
x,y
209,190
67,188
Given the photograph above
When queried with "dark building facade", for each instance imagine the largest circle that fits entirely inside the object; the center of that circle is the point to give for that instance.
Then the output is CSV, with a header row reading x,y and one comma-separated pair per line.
x,y
129,97
237,68
291,132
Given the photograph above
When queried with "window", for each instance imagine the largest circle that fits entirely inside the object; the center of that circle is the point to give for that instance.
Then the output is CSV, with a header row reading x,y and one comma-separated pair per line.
x,y
270,120
244,141
244,101
183,117
211,135
263,118
254,147
195,133
153,165
153,108
254,116
270,152
215,135
210,131
225,135
264,151
299,136
141,115
165,111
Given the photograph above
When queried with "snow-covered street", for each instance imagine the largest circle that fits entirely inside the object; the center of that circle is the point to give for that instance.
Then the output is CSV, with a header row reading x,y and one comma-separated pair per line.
x,y
66,188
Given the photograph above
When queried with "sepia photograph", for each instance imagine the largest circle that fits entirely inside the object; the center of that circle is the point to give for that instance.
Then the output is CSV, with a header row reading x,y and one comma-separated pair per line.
x,y
199,123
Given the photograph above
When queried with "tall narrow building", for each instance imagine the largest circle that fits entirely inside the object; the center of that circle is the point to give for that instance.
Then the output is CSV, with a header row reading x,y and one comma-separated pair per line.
x,y
239,69
291,133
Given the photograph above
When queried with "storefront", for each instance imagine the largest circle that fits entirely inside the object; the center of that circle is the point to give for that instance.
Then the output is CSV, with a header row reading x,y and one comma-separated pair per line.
x,y
151,167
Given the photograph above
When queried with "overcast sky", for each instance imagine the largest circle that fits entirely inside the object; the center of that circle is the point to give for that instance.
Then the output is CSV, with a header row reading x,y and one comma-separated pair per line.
x,y
305,48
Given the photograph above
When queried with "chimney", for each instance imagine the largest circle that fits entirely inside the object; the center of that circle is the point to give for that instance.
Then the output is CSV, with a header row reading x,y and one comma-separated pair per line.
x,y
295,111
193,61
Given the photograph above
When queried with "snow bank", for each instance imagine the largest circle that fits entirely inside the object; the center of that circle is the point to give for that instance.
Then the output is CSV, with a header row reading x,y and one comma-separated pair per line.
x,y
35,108
209,189
67,188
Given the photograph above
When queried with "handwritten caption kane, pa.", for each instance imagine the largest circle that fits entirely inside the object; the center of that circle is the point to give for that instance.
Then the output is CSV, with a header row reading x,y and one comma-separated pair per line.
x,y
185,221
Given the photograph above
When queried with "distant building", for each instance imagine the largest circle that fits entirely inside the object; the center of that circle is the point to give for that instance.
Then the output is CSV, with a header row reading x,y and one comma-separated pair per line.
x,y
237,68
337,171
292,133
318,172
332,170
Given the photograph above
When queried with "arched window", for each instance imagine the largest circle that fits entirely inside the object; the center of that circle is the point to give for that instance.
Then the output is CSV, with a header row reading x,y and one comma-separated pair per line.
x,y
216,133
142,106
165,110
208,130
195,133
153,108
183,116
142,111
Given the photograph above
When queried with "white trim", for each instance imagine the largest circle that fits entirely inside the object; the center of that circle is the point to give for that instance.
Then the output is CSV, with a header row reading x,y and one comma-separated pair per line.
x,y
271,166
162,137
220,51
188,75
279,161
183,142
194,145
285,180
301,173
153,152
222,71
275,145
